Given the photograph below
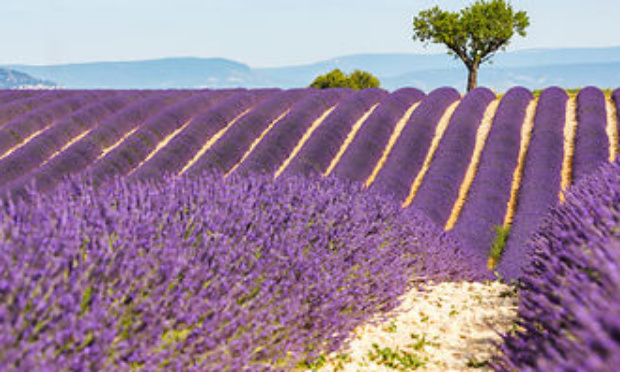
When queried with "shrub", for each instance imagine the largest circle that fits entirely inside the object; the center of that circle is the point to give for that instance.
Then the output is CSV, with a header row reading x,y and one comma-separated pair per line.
x,y
338,79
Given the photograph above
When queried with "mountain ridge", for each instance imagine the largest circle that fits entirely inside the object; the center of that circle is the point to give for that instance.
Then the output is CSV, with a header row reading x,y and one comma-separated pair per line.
x,y
10,79
533,68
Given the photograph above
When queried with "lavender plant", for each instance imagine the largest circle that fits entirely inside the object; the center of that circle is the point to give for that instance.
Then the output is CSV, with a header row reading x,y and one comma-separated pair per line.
x,y
182,148
9,97
591,143
17,130
360,158
541,180
615,97
81,154
26,104
204,274
486,203
440,187
229,150
570,289
407,157
317,154
137,147
40,148
280,141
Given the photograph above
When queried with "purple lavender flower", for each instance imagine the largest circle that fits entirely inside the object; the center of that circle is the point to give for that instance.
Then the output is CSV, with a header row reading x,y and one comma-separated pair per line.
x,y
280,141
84,152
137,147
21,127
441,184
486,203
591,143
615,97
360,158
181,149
317,154
38,150
204,273
229,150
540,183
407,157
570,289
23,104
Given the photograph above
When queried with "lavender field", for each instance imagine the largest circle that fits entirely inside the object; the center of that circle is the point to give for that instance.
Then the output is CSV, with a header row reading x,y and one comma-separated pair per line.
x,y
254,230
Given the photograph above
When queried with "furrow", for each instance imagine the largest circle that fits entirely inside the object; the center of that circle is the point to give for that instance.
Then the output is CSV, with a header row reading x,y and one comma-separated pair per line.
x,y
612,129
481,139
439,132
212,140
106,150
161,145
570,131
67,145
303,140
257,141
526,136
400,125
25,141
356,127
541,182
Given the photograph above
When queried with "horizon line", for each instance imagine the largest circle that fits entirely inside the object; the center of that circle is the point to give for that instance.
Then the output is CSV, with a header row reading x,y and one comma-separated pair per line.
x,y
187,57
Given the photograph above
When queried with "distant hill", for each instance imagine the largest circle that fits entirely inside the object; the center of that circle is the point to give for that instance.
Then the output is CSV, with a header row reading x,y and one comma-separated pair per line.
x,y
10,79
150,74
533,69
604,75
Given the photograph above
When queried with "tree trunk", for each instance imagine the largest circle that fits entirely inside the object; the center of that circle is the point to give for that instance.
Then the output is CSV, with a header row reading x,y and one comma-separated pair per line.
x,y
472,78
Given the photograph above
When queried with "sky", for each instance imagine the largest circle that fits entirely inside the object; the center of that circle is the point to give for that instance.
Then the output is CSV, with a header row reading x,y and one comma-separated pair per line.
x,y
263,33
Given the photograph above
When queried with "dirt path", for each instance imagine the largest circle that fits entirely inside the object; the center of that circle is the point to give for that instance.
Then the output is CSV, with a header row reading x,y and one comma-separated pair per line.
x,y
449,327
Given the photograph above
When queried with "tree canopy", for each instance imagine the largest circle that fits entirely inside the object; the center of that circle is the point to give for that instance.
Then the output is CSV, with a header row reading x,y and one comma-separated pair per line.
x,y
338,79
473,34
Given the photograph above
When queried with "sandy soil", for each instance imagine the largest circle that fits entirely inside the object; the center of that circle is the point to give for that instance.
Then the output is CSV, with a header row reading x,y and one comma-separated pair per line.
x,y
526,136
481,139
448,327
570,132
400,125
440,129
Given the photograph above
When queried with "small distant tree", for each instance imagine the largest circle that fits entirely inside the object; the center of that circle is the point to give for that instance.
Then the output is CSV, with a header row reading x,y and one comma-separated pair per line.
x,y
333,79
474,34
362,80
338,79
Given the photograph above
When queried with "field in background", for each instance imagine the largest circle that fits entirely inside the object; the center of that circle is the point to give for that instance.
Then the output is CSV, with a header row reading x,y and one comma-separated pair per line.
x,y
473,164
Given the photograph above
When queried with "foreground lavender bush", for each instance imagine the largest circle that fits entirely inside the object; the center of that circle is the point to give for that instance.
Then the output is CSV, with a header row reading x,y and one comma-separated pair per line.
x,y
570,301
204,274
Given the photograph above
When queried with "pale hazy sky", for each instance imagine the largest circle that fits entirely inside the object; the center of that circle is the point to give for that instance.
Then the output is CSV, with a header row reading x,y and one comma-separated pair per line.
x,y
263,32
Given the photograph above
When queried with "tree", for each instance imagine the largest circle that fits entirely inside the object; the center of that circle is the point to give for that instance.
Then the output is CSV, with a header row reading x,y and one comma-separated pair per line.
x,y
337,79
362,80
333,79
474,34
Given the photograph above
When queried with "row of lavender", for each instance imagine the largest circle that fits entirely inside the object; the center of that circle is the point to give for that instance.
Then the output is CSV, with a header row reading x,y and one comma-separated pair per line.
x,y
214,131
568,313
570,289
205,274
541,181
